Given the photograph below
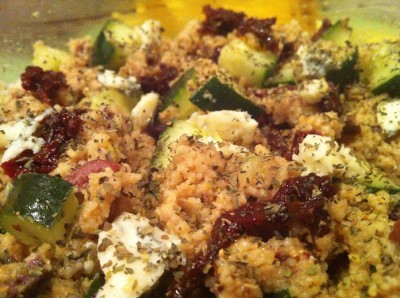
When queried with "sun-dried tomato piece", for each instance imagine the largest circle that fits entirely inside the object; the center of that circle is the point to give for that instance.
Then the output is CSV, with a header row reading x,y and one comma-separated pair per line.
x,y
288,50
300,201
279,140
261,28
154,130
395,232
284,142
220,21
331,101
56,129
305,198
350,128
159,82
45,85
16,166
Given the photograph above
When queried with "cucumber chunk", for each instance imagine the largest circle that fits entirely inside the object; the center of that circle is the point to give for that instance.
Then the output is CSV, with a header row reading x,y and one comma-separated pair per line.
x,y
216,96
247,64
39,208
97,282
48,58
178,97
114,43
284,76
110,97
162,155
340,35
384,72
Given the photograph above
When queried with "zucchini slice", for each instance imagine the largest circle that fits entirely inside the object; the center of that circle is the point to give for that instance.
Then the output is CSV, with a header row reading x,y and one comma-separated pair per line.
x,y
245,63
114,43
162,155
340,35
384,73
97,282
179,95
216,96
110,97
49,58
284,76
39,208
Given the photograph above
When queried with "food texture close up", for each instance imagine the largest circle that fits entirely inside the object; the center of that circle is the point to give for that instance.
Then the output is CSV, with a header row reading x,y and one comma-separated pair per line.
x,y
243,157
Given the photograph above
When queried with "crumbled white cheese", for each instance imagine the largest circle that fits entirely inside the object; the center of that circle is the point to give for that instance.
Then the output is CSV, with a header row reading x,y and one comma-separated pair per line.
x,y
150,33
231,126
314,62
110,79
19,136
145,110
312,91
324,156
388,116
133,255
228,149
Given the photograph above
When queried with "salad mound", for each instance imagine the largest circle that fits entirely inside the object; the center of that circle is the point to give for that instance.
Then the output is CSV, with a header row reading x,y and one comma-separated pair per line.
x,y
241,158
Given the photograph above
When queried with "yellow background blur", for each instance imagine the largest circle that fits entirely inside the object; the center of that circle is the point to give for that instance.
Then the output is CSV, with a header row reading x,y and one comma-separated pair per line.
x,y
174,14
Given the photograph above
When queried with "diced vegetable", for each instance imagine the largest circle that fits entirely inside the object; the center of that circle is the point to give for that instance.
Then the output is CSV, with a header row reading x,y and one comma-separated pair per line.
x,y
216,96
162,155
179,95
245,63
39,208
284,75
97,283
110,97
117,40
219,127
384,70
114,43
280,294
348,73
48,58
340,35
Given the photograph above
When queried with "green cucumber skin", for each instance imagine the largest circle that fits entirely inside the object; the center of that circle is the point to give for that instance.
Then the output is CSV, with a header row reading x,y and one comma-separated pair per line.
x,y
392,87
385,71
281,294
284,76
103,51
340,35
161,157
51,190
348,74
179,96
97,282
178,88
216,96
